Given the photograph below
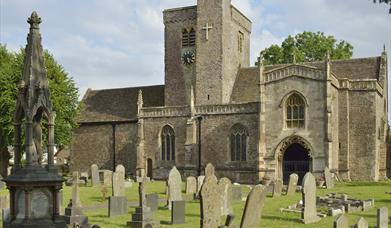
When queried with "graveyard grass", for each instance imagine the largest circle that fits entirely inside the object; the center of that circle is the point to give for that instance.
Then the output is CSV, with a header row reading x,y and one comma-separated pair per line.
x,y
271,215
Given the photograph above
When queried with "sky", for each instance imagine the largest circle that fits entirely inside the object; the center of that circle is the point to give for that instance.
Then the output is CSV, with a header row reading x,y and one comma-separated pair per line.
x,y
111,44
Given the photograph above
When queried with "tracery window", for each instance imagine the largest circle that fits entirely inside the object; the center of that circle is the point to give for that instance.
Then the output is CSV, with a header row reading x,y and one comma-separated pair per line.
x,y
168,143
188,38
295,111
239,138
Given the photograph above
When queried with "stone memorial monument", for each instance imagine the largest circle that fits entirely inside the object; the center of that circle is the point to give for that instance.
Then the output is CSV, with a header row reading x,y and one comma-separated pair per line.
x,y
174,186
293,178
120,169
118,203
210,200
361,223
341,222
277,187
178,212
309,213
328,178
253,208
225,187
152,201
382,217
95,175
200,182
191,185
33,186
73,212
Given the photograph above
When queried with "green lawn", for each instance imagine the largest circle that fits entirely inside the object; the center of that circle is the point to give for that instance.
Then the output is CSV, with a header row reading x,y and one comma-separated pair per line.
x,y
271,216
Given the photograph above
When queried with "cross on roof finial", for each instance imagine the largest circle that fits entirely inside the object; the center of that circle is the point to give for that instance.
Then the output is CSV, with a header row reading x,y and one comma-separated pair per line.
x,y
34,20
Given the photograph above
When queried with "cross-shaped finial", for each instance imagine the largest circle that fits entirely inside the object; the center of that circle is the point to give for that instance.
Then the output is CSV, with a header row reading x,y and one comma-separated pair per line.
x,y
207,27
34,20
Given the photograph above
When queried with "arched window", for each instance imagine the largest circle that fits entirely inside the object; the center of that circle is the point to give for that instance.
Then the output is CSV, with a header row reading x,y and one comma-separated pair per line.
x,y
238,138
188,38
295,110
168,143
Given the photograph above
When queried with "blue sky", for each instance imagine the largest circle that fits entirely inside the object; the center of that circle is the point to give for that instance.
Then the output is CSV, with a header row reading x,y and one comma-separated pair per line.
x,y
108,44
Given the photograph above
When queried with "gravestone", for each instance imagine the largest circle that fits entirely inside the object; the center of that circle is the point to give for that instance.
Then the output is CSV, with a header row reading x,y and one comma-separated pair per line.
x,y
118,204
210,170
277,187
178,212
236,192
200,182
191,185
210,201
84,177
4,202
328,178
105,177
361,223
341,222
95,175
225,187
382,217
74,213
293,178
152,201
309,213
253,208
120,169
174,186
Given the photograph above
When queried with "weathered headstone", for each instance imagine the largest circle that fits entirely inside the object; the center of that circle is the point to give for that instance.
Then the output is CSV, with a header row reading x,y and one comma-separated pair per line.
x,y
328,178
200,182
178,212
95,175
382,217
174,186
210,170
118,204
152,201
191,185
210,201
253,208
236,192
309,213
225,196
105,177
120,169
277,187
341,222
293,178
73,212
361,223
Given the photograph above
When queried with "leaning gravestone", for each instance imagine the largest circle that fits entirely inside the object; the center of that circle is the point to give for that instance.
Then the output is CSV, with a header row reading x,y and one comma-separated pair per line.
x,y
210,200
328,178
382,217
174,186
277,187
118,204
225,187
293,178
341,222
120,169
178,212
361,223
191,185
200,182
253,208
95,175
73,212
309,213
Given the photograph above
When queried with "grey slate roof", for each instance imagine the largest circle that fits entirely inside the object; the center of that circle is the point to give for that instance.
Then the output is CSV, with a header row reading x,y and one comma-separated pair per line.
x,y
120,104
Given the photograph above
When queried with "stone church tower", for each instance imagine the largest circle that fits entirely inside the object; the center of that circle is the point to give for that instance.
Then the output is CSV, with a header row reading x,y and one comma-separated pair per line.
x,y
251,122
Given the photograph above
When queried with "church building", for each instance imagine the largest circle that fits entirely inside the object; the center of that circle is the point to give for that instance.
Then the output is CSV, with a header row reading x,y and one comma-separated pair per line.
x,y
250,122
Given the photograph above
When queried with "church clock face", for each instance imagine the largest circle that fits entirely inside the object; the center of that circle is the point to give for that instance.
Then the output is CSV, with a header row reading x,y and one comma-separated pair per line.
x,y
188,57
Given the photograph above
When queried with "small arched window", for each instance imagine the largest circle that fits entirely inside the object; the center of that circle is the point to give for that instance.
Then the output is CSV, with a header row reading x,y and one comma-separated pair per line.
x,y
295,110
188,38
238,140
168,143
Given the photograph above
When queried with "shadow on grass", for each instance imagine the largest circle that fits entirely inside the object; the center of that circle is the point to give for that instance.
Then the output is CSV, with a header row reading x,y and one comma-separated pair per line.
x,y
367,184
165,222
281,218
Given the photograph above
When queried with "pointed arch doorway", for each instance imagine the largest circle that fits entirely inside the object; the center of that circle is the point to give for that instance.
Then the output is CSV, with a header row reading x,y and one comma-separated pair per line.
x,y
294,155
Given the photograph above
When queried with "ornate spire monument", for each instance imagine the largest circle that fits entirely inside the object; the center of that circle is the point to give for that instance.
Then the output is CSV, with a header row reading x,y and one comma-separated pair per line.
x,y
34,187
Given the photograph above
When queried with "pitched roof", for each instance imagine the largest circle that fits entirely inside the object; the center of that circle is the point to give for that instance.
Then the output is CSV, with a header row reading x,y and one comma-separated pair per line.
x,y
120,104
246,85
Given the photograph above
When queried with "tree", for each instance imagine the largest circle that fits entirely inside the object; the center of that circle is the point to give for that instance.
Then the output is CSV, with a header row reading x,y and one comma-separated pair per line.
x,y
383,1
307,47
64,95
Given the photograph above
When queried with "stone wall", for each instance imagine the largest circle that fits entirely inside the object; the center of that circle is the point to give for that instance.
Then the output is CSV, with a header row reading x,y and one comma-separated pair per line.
x,y
93,144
